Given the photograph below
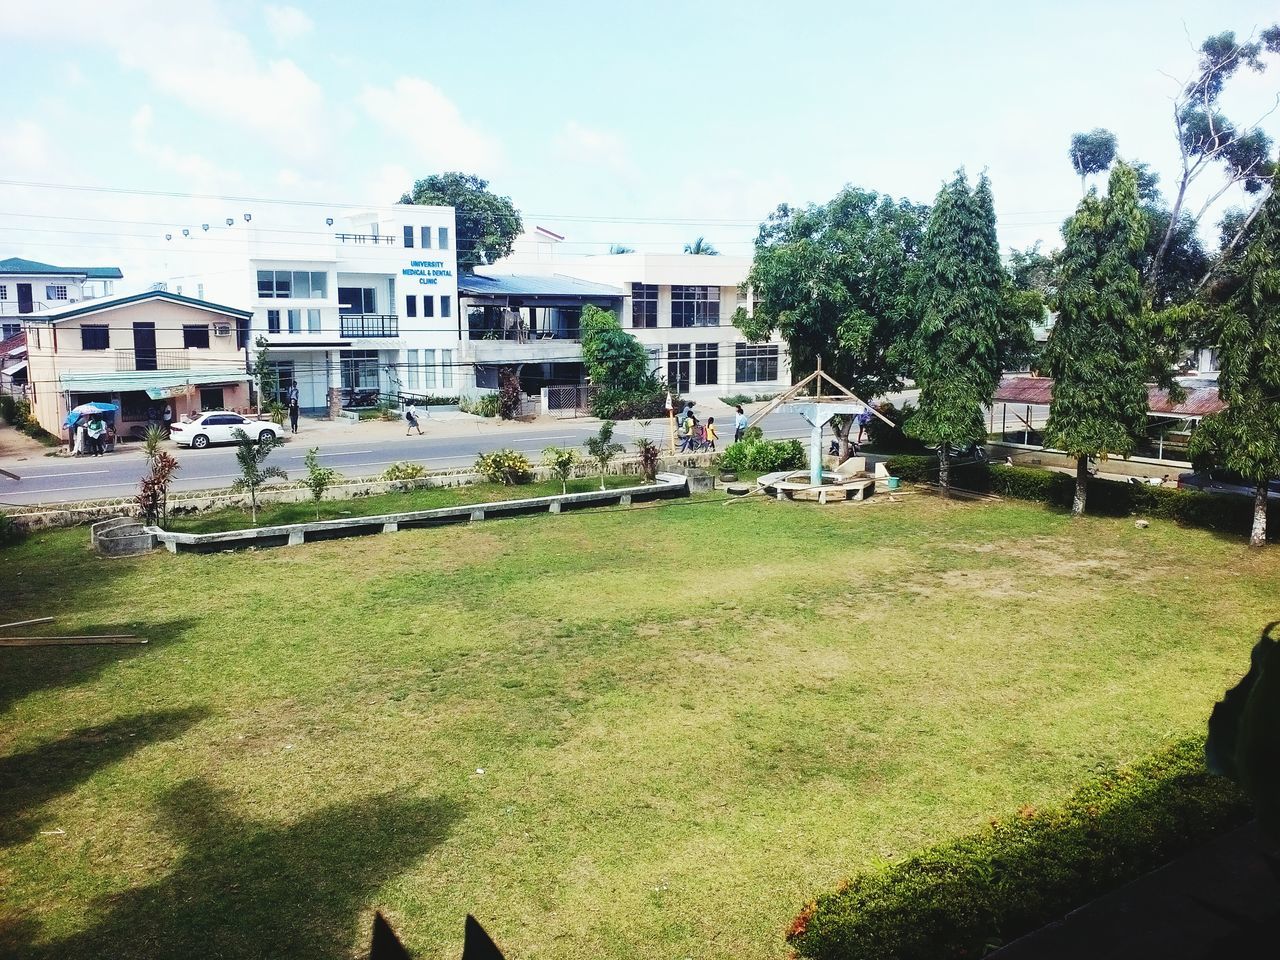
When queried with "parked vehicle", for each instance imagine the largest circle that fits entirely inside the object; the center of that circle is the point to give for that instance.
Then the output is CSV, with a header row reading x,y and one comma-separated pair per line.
x,y
216,426
1216,480
973,453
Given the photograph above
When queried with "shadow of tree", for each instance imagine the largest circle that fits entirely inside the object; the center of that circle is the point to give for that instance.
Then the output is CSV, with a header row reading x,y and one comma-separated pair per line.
x,y
245,889
34,777
27,670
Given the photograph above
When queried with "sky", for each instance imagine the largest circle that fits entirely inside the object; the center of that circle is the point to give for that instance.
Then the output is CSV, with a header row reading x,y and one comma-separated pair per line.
x,y
646,124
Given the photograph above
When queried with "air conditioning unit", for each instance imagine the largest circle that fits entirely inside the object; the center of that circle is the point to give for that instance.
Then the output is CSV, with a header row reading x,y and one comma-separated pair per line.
x,y
222,329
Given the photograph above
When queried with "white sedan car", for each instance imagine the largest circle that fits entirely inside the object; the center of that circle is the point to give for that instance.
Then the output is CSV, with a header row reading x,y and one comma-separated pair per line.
x,y
216,426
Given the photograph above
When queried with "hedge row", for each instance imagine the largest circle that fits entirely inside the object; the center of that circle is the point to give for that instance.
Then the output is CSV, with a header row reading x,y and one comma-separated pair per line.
x,y
959,898
1222,512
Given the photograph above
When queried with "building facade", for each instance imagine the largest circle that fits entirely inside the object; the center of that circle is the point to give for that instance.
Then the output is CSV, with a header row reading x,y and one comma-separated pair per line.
x,y
363,305
27,286
680,306
141,352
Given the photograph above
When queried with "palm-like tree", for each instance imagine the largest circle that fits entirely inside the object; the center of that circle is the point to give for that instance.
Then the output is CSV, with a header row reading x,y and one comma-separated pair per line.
x,y
251,455
615,248
700,248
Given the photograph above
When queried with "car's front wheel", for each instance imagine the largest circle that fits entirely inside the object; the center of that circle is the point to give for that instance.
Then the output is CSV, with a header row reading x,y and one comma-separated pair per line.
x,y
199,441
266,436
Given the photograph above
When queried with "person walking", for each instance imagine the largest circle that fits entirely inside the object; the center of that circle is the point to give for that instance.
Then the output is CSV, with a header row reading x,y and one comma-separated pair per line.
x,y
711,434
292,396
863,419
96,430
411,416
739,424
293,413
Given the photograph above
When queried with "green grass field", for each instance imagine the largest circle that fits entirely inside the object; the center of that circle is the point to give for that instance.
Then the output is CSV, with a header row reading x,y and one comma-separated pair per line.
x,y
626,734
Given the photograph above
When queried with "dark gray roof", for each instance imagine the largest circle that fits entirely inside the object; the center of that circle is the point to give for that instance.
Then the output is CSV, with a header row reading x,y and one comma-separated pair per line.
x,y
109,303
525,285
17,265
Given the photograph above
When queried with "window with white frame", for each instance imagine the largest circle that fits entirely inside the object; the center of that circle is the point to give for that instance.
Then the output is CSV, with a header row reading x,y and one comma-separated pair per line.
x,y
313,320
4,292
446,306
446,369
428,305
295,321
706,363
357,300
273,321
411,375
644,304
295,284
8,330
443,234
429,369
678,357
695,306
755,362
426,238
56,291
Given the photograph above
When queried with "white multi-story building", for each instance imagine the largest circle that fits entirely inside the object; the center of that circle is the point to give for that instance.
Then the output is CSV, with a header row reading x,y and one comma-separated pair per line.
x,y
366,304
680,306
30,287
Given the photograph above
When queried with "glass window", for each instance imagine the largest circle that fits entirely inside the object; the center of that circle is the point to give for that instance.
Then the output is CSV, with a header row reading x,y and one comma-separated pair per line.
x,y
302,284
428,305
284,285
313,320
356,300
695,306
8,330
319,285
755,362
644,305
295,321
273,321
408,236
95,336
443,234
242,332
411,306
429,361
55,291
426,238
678,356
4,292
413,368
266,284
446,306
446,369
705,363
195,336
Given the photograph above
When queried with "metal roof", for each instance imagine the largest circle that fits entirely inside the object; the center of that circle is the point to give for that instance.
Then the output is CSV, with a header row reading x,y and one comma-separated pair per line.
x,y
110,303
1202,396
146,380
19,266
525,285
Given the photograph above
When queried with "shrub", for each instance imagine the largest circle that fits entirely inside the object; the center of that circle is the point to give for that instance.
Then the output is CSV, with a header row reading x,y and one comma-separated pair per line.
x,y
649,453
561,462
1026,869
646,400
508,394
506,466
737,399
10,532
404,471
319,478
602,448
484,405
764,456
884,437
8,408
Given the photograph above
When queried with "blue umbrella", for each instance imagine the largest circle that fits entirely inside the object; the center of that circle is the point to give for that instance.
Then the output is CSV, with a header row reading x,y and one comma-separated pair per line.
x,y
89,410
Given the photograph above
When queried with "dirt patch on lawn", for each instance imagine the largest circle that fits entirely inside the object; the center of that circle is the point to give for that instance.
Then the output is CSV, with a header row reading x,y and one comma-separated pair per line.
x,y
16,444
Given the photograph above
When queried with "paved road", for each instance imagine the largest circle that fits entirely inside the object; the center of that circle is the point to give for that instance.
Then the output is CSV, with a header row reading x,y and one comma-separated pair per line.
x,y
358,450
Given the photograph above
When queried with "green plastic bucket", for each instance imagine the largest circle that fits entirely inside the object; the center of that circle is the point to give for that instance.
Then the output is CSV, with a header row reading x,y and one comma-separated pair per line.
x,y
891,483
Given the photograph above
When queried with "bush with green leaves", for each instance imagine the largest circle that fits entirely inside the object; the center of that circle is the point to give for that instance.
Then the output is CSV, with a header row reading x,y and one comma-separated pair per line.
x,y
508,394
8,408
646,399
10,532
483,405
1025,869
404,470
508,467
763,456
885,437
251,456
602,448
561,461
319,477
649,453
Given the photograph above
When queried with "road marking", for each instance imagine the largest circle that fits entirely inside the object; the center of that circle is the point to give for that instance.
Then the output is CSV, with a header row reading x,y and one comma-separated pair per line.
x,y
59,476
348,453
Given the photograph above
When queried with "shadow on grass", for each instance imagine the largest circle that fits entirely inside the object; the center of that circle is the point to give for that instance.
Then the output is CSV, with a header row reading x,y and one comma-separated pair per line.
x,y
28,670
243,888
34,777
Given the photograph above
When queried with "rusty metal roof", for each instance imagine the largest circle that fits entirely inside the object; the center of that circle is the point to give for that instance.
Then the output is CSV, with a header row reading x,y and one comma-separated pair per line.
x,y
1202,396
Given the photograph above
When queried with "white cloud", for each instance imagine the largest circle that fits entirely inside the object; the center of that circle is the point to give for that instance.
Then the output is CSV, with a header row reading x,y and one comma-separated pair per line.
x,y
588,145
419,113
192,53
287,24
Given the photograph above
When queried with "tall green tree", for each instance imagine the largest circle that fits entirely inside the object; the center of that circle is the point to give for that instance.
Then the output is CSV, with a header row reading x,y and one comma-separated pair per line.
x,y
1098,351
972,322
251,457
1092,152
701,248
613,358
836,281
486,224
1244,320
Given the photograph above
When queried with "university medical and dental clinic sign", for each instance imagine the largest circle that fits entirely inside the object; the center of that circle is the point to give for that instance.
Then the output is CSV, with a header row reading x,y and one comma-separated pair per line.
x,y
428,272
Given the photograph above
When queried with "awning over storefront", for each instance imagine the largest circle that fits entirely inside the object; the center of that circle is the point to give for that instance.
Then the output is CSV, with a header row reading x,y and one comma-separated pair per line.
x,y
162,381
10,370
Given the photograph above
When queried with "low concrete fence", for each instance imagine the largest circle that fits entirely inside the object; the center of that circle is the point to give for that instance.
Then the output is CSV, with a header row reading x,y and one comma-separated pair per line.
x,y
49,516
294,534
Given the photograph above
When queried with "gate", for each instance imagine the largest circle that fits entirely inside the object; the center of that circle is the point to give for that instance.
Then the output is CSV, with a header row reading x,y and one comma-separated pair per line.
x,y
568,401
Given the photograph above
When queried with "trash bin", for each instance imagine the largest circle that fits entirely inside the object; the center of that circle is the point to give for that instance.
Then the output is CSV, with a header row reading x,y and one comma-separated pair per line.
x,y
891,483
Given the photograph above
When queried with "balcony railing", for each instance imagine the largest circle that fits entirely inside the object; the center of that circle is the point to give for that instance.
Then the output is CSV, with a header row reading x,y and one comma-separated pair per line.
x,y
153,360
373,238
369,325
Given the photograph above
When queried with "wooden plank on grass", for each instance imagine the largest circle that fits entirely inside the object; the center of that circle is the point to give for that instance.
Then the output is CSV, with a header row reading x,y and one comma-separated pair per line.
x,y
25,623
68,641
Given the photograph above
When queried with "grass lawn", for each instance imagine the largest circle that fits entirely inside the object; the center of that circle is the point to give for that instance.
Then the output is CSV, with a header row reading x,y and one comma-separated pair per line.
x,y
626,734
425,498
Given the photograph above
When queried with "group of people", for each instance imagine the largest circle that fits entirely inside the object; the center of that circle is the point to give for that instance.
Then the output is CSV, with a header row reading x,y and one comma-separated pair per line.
x,y
91,437
693,435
